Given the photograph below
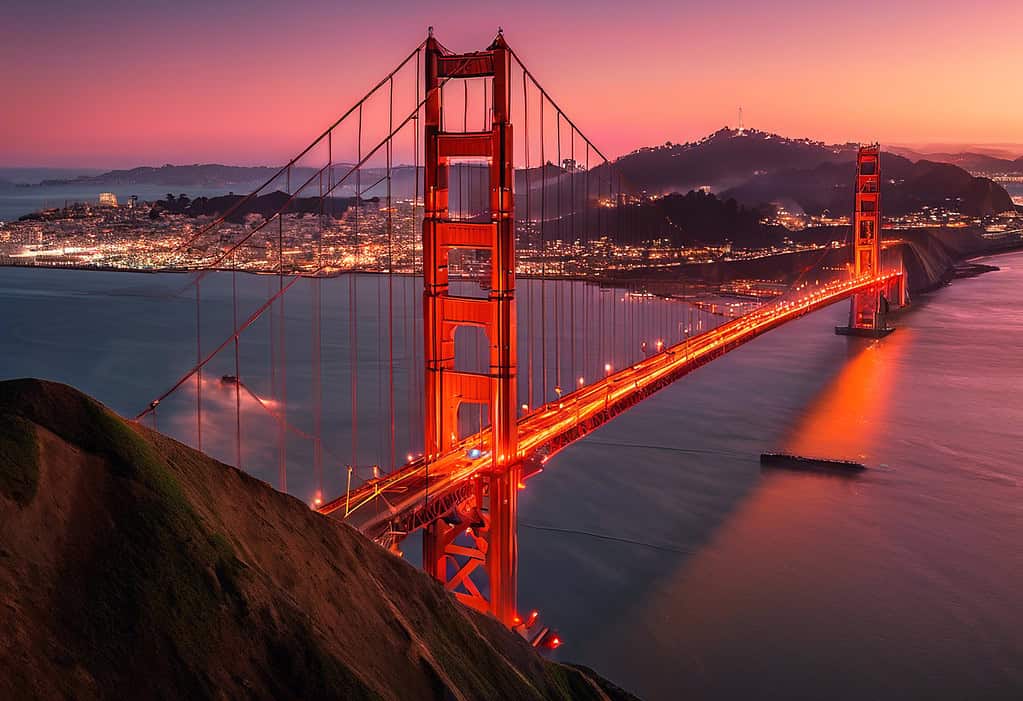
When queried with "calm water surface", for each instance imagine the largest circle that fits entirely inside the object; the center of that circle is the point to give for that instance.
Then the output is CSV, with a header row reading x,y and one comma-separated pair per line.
x,y
658,547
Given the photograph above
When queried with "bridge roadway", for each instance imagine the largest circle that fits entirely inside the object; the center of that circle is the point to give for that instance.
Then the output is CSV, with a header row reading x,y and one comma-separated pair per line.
x,y
388,508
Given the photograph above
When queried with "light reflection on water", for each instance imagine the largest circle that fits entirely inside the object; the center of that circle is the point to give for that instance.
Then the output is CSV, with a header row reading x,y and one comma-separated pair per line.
x,y
845,420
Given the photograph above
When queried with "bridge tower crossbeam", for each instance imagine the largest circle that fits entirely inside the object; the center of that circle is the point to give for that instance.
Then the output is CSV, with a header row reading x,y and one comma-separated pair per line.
x,y
488,517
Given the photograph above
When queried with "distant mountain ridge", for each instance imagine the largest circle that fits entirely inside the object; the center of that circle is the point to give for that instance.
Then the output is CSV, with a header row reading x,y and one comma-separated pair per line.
x,y
755,167
973,162
212,175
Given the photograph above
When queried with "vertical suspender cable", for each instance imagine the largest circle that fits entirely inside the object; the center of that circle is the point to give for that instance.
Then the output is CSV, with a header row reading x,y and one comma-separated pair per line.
x,y
572,283
353,326
272,325
281,354
616,333
198,375
317,367
416,234
390,273
587,291
237,368
543,258
414,340
529,241
558,286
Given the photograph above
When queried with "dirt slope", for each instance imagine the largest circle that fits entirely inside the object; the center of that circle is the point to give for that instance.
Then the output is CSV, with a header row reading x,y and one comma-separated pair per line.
x,y
132,566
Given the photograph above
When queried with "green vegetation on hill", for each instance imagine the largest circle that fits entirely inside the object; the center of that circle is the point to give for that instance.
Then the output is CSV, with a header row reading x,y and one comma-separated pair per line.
x,y
137,567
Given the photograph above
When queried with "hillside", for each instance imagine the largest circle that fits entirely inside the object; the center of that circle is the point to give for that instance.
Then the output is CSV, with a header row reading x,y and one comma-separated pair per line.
x,y
908,186
132,566
724,159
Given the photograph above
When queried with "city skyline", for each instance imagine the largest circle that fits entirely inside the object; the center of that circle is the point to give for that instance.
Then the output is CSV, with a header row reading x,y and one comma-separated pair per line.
x,y
127,81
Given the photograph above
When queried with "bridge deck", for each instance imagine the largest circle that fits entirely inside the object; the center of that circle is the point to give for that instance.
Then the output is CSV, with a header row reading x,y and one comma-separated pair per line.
x,y
388,508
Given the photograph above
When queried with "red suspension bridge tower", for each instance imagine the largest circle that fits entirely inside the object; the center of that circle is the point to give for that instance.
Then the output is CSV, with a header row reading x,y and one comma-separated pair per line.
x,y
487,519
868,309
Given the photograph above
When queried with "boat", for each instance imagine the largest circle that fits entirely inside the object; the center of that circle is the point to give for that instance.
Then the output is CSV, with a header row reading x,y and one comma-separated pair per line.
x,y
801,462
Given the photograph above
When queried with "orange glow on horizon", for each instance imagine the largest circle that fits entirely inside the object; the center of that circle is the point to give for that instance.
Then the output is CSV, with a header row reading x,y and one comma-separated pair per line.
x,y
133,80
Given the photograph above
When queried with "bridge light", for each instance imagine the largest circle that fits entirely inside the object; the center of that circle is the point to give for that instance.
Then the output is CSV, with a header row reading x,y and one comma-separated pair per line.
x,y
581,381
607,367
525,407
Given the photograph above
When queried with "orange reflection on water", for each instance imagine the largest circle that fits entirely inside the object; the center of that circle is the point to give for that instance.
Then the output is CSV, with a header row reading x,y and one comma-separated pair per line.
x,y
771,565
844,421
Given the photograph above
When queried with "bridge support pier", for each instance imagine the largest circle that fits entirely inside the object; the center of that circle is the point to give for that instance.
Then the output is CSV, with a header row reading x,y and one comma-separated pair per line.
x,y
479,536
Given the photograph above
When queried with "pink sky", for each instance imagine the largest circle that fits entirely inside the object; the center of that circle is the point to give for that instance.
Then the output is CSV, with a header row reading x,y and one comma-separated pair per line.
x,y
124,84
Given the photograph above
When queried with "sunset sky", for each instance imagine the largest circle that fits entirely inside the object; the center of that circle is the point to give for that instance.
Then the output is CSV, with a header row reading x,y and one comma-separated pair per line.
x,y
119,84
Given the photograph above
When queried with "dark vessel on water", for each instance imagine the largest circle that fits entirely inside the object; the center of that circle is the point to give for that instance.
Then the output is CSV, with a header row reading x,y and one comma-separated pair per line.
x,y
800,462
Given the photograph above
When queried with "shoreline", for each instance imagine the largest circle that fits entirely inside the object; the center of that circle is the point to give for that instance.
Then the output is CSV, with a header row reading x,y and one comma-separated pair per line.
x,y
965,266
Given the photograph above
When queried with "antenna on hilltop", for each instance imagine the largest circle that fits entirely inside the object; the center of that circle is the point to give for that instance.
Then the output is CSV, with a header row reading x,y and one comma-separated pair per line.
x,y
740,119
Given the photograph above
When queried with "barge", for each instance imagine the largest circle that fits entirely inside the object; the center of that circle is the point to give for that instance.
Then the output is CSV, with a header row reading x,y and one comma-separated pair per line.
x,y
800,462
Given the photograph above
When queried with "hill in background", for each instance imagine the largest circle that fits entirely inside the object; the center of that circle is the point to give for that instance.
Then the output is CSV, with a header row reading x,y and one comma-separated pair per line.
x,y
757,168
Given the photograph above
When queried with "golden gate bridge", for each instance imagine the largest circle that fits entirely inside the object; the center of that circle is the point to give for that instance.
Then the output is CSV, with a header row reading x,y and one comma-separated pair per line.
x,y
491,391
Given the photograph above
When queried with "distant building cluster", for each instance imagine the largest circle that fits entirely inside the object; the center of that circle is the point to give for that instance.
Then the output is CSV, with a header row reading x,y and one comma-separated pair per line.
x,y
127,237
373,238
